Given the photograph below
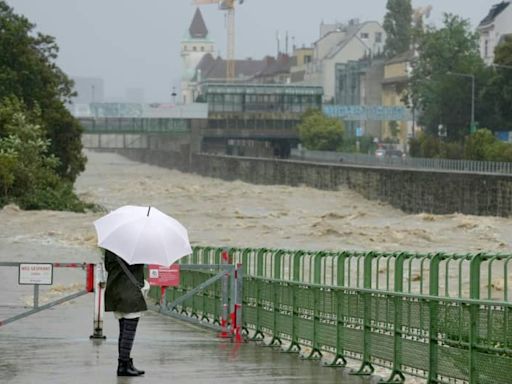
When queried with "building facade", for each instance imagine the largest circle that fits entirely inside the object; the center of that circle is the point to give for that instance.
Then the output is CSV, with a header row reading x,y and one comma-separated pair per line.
x,y
494,28
358,83
341,44
394,86
194,46
256,119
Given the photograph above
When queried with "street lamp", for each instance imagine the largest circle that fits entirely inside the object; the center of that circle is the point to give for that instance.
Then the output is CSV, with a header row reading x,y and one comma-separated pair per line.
x,y
502,66
472,77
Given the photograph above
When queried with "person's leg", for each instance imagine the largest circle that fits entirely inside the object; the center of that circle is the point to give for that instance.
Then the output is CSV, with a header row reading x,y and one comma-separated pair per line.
x,y
127,335
121,329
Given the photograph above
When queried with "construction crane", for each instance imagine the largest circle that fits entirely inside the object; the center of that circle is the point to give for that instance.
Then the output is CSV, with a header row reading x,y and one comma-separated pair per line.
x,y
229,7
420,13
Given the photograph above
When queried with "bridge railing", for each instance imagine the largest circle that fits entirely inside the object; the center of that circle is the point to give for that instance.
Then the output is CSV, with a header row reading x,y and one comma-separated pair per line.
x,y
405,162
442,317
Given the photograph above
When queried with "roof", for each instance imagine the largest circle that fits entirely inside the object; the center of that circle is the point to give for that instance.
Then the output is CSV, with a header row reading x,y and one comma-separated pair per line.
x,y
212,68
275,67
198,28
494,12
401,57
352,32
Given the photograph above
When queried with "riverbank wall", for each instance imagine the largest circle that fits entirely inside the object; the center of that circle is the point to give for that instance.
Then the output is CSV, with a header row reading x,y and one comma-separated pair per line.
x,y
411,190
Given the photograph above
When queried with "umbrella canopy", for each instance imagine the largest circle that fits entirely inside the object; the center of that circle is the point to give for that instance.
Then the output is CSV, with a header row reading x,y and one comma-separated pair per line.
x,y
143,235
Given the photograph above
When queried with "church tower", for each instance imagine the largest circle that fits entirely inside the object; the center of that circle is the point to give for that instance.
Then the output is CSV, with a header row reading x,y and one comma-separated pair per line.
x,y
194,46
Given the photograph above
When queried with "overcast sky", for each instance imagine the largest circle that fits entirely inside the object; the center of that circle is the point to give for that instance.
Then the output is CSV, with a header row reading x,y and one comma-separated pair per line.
x,y
136,43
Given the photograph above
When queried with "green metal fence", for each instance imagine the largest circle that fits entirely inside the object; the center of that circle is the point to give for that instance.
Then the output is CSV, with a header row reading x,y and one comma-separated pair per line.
x,y
442,317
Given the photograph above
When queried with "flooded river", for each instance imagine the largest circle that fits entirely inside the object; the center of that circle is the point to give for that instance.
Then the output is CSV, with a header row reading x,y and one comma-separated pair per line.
x,y
220,213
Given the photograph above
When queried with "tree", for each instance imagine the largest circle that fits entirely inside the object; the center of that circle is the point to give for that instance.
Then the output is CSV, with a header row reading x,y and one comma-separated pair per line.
x,y
442,96
28,72
496,97
483,146
319,132
398,24
28,171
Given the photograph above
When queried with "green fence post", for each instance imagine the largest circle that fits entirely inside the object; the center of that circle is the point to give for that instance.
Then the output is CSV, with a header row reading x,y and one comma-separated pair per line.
x,y
317,265
339,360
433,323
474,293
297,256
366,366
218,256
294,345
245,261
195,255
258,335
278,256
276,341
397,376
260,262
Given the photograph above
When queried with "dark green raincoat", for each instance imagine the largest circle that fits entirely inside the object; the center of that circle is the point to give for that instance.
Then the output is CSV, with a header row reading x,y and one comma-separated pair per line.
x,y
121,295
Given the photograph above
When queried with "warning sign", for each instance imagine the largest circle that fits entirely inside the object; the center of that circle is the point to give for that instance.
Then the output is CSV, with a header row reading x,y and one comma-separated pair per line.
x,y
35,274
164,276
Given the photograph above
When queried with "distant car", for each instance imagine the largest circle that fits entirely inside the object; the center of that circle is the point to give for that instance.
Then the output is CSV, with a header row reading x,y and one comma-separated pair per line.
x,y
380,153
395,153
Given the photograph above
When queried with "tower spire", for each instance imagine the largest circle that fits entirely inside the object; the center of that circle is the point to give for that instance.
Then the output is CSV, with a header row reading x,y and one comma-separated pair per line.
x,y
198,28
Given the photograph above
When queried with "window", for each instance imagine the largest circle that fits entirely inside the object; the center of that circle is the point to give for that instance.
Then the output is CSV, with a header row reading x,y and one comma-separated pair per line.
x,y
194,48
364,35
378,37
486,48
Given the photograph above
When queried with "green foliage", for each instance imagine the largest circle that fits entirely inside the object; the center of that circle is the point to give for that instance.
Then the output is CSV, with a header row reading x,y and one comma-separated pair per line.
x,y
28,72
482,145
437,92
40,141
398,27
319,132
394,128
366,144
28,171
495,99
428,146
59,197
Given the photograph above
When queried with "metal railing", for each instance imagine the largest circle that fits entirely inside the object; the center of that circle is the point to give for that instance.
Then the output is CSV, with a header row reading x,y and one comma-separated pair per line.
x,y
403,162
37,306
445,318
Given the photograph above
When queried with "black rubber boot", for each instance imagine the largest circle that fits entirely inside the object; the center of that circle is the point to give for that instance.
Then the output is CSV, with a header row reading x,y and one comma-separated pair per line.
x,y
124,368
135,369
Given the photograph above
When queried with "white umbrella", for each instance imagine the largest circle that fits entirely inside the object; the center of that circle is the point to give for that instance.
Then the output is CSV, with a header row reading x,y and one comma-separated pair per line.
x,y
143,235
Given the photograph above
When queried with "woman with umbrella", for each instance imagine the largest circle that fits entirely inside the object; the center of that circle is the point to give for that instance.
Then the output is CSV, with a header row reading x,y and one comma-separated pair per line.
x,y
124,297
131,237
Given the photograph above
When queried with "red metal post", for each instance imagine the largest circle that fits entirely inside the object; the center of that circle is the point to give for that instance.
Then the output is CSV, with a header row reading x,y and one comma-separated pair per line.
x,y
89,282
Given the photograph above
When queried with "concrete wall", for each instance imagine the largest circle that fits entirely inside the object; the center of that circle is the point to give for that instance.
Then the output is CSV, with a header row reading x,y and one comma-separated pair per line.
x,y
411,191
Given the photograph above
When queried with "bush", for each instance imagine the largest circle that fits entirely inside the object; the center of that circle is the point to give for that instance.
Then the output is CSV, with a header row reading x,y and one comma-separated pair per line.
x,y
366,144
28,173
480,146
58,198
319,132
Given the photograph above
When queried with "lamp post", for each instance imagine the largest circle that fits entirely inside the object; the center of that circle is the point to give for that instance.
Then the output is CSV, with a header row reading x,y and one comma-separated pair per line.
x,y
472,77
502,66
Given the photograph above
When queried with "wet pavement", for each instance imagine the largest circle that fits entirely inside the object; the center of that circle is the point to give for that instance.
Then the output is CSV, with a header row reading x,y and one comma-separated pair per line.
x,y
53,346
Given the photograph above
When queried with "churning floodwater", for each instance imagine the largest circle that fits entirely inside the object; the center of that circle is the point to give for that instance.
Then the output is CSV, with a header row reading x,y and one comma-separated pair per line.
x,y
221,213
